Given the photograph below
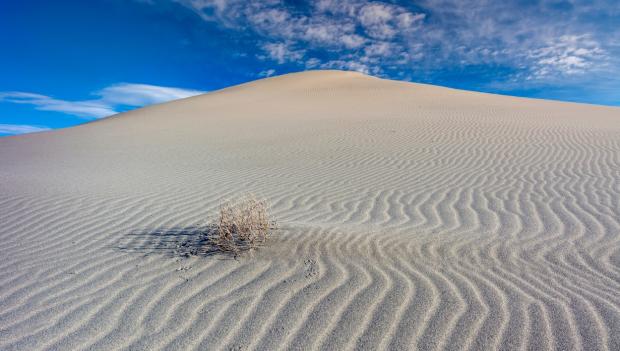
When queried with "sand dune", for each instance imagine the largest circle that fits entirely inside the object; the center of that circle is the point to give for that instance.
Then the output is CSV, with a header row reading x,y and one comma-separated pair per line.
x,y
412,217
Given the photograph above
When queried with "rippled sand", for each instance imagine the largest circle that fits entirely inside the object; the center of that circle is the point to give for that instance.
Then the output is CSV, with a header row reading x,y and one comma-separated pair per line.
x,y
412,217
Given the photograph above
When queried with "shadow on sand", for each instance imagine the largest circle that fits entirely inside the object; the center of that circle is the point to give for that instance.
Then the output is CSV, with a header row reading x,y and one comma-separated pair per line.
x,y
173,242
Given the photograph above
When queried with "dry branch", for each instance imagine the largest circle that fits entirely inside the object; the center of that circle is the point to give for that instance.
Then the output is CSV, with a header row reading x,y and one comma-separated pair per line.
x,y
242,225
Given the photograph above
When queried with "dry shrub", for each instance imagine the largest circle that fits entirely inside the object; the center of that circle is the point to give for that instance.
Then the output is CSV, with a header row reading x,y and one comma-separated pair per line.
x,y
242,225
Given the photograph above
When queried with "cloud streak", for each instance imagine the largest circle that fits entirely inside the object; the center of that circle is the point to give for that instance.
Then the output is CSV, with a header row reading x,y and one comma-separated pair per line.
x,y
142,94
12,129
108,100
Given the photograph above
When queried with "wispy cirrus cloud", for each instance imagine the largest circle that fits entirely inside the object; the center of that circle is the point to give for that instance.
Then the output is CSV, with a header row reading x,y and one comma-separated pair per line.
x,y
108,100
547,42
142,94
567,55
351,34
84,109
12,129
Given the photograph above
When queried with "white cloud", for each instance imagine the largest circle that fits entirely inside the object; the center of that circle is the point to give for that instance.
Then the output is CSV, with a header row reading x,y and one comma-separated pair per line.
x,y
379,49
281,52
12,129
349,65
376,19
84,109
548,40
341,28
110,98
313,62
142,94
267,73
210,10
568,55
406,20
353,41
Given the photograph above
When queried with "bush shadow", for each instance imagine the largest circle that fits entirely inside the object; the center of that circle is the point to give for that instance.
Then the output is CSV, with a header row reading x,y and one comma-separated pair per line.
x,y
172,242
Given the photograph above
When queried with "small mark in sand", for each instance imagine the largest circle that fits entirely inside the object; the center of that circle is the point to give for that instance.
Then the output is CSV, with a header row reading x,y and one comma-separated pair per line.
x,y
184,268
312,268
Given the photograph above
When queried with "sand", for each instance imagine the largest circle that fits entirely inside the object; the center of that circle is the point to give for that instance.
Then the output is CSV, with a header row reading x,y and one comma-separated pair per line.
x,y
411,217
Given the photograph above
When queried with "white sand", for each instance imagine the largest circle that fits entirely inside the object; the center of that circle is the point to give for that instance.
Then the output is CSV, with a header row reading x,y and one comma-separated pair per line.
x,y
413,217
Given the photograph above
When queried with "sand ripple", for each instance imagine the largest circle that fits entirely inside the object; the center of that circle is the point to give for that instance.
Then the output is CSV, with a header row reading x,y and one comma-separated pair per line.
x,y
412,217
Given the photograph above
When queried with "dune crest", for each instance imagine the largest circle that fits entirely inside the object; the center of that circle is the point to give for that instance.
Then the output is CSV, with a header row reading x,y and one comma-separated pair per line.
x,y
411,216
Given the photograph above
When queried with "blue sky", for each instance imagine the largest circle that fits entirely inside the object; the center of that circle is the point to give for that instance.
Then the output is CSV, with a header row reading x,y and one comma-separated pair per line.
x,y
68,62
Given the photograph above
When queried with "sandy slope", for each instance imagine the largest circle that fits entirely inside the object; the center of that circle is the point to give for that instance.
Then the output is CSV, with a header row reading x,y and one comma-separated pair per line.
x,y
413,217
